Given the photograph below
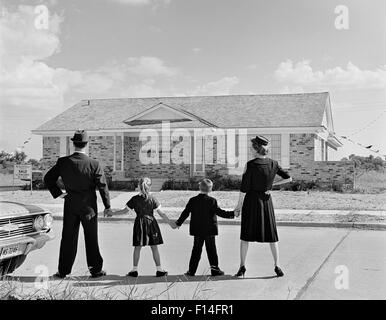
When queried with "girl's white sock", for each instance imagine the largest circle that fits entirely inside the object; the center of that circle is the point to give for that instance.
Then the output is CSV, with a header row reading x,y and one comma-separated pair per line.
x,y
135,268
159,268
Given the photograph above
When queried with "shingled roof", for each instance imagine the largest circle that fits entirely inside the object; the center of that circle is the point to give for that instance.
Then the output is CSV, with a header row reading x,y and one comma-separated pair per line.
x,y
246,111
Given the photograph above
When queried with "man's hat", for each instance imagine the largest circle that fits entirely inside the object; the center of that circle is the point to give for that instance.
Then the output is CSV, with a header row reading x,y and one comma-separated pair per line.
x,y
260,140
80,136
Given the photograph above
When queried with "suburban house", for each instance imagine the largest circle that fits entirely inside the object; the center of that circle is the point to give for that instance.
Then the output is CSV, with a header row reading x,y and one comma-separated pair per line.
x,y
182,137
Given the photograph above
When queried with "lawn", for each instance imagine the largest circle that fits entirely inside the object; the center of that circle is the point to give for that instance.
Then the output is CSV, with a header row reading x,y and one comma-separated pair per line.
x,y
312,200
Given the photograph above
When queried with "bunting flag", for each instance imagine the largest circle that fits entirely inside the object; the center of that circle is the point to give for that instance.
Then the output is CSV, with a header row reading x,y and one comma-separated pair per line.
x,y
367,147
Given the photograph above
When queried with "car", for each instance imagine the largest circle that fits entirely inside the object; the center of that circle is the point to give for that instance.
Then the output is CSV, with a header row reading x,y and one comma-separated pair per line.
x,y
23,228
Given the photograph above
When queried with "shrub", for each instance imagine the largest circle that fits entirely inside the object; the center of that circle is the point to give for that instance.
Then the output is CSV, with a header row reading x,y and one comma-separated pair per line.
x,y
219,183
129,185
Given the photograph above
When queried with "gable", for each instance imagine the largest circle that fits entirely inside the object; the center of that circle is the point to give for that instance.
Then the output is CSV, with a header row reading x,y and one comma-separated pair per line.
x,y
157,114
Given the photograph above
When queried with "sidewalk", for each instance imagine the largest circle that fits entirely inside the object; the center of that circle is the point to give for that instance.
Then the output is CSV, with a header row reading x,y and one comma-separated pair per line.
x,y
284,217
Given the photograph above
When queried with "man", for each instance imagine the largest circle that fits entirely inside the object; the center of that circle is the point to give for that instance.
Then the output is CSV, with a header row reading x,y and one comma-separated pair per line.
x,y
81,175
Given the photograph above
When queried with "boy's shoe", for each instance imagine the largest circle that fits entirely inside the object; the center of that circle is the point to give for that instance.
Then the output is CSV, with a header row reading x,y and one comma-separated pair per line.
x,y
133,274
189,274
217,272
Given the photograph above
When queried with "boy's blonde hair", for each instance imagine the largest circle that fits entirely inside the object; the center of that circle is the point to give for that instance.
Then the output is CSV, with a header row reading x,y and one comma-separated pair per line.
x,y
144,186
206,185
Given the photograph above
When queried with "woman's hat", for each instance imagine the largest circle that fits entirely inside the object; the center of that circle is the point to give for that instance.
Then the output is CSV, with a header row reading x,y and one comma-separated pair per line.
x,y
80,136
261,140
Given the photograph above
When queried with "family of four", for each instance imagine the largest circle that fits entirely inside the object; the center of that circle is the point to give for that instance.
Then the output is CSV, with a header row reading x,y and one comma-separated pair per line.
x,y
81,176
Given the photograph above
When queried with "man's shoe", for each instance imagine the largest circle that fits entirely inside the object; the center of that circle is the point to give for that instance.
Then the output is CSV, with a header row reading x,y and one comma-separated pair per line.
x,y
189,274
161,273
217,272
98,274
58,275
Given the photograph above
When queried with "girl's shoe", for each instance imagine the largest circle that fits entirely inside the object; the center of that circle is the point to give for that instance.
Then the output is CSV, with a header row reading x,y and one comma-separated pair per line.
x,y
161,273
241,272
133,274
279,272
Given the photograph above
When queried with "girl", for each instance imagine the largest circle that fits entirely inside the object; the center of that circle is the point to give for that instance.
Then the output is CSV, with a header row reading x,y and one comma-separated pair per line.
x,y
146,230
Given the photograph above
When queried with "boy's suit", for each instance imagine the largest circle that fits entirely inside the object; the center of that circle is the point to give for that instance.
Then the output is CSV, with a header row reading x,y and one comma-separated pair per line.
x,y
203,226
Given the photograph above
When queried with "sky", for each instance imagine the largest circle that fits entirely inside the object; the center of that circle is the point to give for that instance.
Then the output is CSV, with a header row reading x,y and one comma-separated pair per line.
x,y
144,48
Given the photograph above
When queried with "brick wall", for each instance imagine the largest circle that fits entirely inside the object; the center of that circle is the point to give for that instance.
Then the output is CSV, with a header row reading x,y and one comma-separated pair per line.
x,y
303,166
51,151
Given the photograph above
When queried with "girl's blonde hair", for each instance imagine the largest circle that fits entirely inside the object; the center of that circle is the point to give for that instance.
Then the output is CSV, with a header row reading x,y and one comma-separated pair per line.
x,y
144,186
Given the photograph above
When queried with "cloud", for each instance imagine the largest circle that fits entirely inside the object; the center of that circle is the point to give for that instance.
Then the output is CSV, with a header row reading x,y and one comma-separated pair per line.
x,y
301,76
28,81
142,2
149,66
219,87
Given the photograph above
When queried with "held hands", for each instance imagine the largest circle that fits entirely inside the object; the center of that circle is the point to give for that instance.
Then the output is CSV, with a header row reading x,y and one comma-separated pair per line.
x,y
237,211
108,213
173,225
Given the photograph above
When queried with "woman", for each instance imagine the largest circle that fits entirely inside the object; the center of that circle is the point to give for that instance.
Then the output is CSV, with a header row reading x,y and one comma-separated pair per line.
x,y
258,219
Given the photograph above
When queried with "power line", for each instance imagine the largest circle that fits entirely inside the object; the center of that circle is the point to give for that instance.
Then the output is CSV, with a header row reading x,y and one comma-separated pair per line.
x,y
369,124
368,147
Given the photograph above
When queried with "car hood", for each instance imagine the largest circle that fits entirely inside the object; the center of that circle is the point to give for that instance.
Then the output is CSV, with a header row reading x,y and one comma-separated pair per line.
x,y
15,209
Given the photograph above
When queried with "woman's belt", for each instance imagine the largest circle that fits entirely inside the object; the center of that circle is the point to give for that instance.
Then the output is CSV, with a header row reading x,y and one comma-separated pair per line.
x,y
264,195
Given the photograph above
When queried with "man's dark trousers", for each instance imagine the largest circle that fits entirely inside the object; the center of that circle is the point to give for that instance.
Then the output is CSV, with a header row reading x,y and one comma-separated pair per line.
x,y
210,245
69,243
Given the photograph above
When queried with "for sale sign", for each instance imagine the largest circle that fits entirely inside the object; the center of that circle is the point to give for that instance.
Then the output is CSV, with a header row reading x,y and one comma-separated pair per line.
x,y
22,171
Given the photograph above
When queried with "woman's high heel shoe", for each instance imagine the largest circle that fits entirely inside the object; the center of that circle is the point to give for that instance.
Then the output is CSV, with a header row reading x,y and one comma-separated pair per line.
x,y
279,272
241,272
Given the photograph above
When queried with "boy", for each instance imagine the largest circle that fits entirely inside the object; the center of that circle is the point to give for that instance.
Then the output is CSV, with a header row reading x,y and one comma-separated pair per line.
x,y
203,226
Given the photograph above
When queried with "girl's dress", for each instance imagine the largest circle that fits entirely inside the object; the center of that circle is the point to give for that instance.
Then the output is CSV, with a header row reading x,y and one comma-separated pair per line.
x,y
146,230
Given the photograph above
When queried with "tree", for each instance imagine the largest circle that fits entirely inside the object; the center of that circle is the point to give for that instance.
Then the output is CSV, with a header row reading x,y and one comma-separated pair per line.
x,y
19,157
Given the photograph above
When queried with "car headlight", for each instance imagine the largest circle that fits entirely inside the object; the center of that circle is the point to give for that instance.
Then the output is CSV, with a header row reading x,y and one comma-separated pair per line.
x,y
48,221
39,223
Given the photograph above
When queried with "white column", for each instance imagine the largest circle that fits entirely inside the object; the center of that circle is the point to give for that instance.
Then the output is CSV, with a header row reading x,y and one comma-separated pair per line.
x,y
285,150
63,146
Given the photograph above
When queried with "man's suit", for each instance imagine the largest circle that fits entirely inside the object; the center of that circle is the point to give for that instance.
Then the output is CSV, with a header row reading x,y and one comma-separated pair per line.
x,y
81,175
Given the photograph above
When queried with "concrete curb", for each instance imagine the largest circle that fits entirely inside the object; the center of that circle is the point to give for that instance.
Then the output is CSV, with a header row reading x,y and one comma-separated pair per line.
x,y
308,224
